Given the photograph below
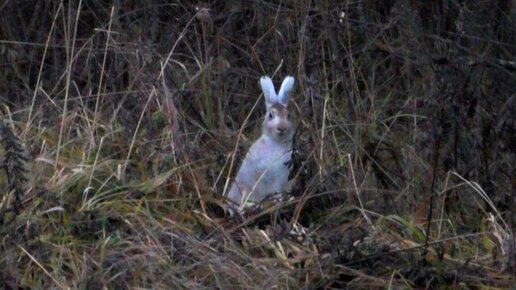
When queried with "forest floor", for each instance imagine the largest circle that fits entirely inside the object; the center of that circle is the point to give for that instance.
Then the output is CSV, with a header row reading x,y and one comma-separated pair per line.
x,y
121,127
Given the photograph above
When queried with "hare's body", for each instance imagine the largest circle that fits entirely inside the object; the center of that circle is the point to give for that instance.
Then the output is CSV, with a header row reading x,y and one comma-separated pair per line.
x,y
265,169
262,174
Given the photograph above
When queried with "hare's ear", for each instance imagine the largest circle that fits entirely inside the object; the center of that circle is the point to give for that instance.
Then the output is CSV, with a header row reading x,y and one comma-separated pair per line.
x,y
285,90
268,91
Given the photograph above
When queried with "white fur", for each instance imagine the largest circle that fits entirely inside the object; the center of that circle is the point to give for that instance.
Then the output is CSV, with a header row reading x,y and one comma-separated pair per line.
x,y
264,170
268,91
286,88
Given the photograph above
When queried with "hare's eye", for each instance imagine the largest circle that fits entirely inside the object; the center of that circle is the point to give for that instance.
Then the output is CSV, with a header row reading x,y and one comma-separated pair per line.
x,y
270,115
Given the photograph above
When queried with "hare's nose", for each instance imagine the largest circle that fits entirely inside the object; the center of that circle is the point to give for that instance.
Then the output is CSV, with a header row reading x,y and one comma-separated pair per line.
x,y
281,129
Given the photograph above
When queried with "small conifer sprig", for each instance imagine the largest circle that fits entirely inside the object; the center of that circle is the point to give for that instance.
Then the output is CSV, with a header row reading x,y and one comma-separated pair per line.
x,y
13,165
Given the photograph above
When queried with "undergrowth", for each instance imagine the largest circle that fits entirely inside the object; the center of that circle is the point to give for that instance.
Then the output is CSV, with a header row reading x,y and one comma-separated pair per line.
x,y
121,127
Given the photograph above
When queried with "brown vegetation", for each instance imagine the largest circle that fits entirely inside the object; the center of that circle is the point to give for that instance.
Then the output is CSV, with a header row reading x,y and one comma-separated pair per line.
x,y
133,116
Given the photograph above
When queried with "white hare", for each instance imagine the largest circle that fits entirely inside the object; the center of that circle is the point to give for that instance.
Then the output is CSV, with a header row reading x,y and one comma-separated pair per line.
x,y
265,168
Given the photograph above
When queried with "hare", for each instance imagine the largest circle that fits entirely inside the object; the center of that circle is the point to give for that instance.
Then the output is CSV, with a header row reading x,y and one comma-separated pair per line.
x,y
265,169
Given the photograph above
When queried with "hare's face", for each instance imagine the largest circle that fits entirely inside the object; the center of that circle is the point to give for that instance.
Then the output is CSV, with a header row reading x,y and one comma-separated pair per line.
x,y
276,124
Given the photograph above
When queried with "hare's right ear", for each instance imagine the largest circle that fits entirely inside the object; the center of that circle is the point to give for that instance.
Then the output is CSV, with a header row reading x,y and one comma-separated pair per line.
x,y
268,91
286,88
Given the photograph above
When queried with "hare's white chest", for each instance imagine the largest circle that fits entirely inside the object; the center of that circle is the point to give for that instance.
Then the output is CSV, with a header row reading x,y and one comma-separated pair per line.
x,y
265,169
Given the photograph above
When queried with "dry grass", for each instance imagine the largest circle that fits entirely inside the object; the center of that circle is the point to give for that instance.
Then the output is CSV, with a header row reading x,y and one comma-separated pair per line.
x,y
134,116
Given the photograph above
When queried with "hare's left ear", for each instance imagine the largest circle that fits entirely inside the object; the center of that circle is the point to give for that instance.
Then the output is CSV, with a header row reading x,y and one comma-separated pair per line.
x,y
285,90
268,91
